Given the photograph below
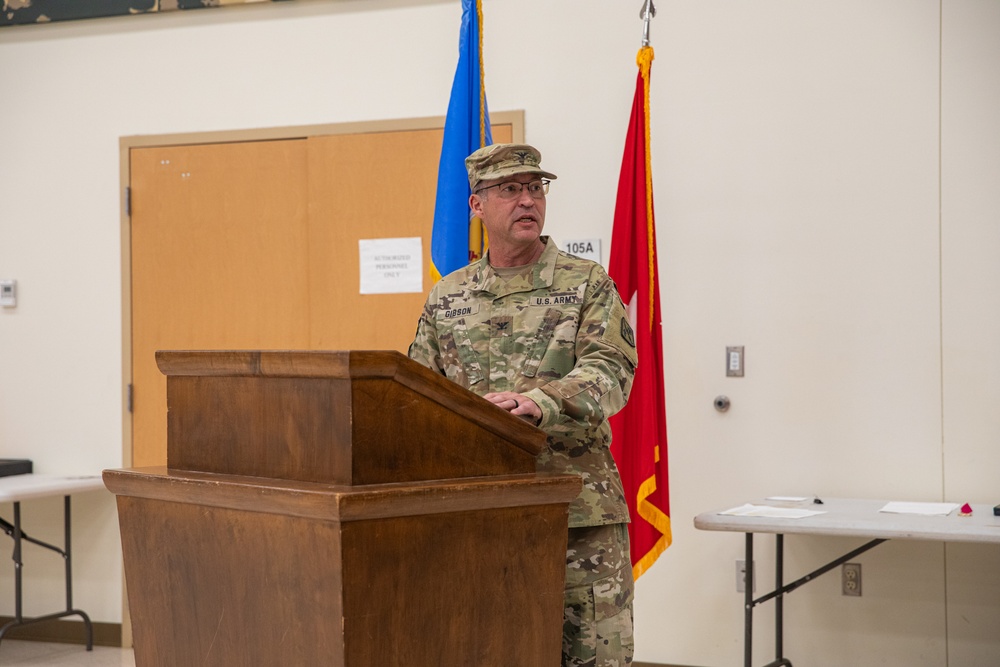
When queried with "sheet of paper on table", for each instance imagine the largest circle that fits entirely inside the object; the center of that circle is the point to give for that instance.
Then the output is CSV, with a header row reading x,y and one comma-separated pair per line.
x,y
770,512
925,509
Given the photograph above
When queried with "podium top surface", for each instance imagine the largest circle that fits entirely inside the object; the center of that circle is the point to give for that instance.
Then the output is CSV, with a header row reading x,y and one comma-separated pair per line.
x,y
353,417
349,365
276,363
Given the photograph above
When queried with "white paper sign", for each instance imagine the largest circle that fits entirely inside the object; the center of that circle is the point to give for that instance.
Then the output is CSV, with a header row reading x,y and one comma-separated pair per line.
x,y
585,248
391,266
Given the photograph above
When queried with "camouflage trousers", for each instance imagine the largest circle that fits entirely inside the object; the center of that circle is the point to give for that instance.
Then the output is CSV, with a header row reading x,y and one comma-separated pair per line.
x,y
597,615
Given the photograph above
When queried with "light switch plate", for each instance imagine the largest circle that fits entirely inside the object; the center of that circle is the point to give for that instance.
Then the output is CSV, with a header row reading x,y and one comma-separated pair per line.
x,y
734,361
8,293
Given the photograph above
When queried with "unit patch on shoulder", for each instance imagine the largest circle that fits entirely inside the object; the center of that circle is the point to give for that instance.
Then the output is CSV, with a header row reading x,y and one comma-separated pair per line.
x,y
627,332
618,332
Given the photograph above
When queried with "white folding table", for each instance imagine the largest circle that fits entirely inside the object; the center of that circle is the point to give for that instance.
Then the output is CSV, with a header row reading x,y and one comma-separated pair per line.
x,y
842,517
14,489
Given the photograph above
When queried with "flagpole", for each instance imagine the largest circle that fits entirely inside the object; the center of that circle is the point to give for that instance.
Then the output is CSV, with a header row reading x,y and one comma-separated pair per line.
x,y
647,12
639,440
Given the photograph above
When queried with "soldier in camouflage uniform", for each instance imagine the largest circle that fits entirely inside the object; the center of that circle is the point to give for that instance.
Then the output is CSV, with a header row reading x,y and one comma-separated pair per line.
x,y
544,335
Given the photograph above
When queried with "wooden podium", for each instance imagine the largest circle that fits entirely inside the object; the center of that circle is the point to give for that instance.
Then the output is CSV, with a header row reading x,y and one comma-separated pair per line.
x,y
349,509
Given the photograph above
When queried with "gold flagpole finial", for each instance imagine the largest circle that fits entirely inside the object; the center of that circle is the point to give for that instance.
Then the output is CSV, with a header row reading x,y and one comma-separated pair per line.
x,y
647,12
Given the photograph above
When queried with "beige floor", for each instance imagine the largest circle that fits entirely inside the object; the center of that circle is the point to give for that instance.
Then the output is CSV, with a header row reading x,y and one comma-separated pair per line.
x,y
14,653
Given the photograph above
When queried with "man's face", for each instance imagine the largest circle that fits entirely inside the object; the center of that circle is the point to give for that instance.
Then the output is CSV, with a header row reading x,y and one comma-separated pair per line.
x,y
510,222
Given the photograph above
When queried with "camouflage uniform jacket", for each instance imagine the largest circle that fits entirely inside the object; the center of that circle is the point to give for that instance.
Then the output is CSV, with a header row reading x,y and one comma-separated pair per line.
x,y
562,339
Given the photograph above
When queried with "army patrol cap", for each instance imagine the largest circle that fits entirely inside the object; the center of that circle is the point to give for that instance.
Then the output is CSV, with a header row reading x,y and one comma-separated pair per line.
x,y
498,161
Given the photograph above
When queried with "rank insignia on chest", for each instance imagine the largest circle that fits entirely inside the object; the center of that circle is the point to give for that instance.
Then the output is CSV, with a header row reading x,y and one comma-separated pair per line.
x,y
502,325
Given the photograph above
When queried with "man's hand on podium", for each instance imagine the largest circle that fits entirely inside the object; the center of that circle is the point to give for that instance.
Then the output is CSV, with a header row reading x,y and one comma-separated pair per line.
x,y
516,404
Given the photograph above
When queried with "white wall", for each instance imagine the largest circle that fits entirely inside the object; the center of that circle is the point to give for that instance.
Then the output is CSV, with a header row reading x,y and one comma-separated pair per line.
x,y
824,176
970,243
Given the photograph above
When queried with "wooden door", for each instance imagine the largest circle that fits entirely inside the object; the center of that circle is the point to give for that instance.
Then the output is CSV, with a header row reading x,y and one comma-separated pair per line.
x,y
218,236
254,245
351,197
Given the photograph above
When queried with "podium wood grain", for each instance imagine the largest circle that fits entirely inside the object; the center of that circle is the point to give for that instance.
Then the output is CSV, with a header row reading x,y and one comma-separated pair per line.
x,y
345,509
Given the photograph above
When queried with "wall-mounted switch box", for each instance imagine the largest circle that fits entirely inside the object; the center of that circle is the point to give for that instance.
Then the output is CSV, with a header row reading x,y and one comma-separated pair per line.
x,y
734,361
8,293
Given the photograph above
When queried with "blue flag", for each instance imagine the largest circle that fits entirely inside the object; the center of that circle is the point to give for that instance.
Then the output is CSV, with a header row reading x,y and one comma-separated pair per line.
x,y
466,129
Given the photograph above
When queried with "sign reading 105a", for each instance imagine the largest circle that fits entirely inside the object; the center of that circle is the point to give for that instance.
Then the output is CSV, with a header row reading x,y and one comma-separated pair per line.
x,y
585,248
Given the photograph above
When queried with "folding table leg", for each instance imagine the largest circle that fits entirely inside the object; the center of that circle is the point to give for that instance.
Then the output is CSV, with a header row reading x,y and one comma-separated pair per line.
x,y
748,603
66,552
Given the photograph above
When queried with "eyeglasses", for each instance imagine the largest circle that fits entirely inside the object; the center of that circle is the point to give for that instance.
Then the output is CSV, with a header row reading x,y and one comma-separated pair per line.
x,y
512,189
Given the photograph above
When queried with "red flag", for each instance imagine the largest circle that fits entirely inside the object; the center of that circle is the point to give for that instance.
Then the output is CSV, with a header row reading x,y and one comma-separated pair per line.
x,y
639,431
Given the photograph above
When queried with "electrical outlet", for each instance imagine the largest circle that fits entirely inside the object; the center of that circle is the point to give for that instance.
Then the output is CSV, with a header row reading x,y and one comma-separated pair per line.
x,y
741,577
850,579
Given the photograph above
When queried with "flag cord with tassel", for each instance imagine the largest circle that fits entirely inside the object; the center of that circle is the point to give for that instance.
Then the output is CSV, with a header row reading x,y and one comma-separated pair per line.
x,y
645,60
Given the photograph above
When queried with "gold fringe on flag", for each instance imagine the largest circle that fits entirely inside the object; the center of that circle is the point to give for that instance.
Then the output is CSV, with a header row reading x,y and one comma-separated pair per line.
x,y
647,510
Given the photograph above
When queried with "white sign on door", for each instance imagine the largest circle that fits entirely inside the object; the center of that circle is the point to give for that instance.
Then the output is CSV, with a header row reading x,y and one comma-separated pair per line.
x,y
391,266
